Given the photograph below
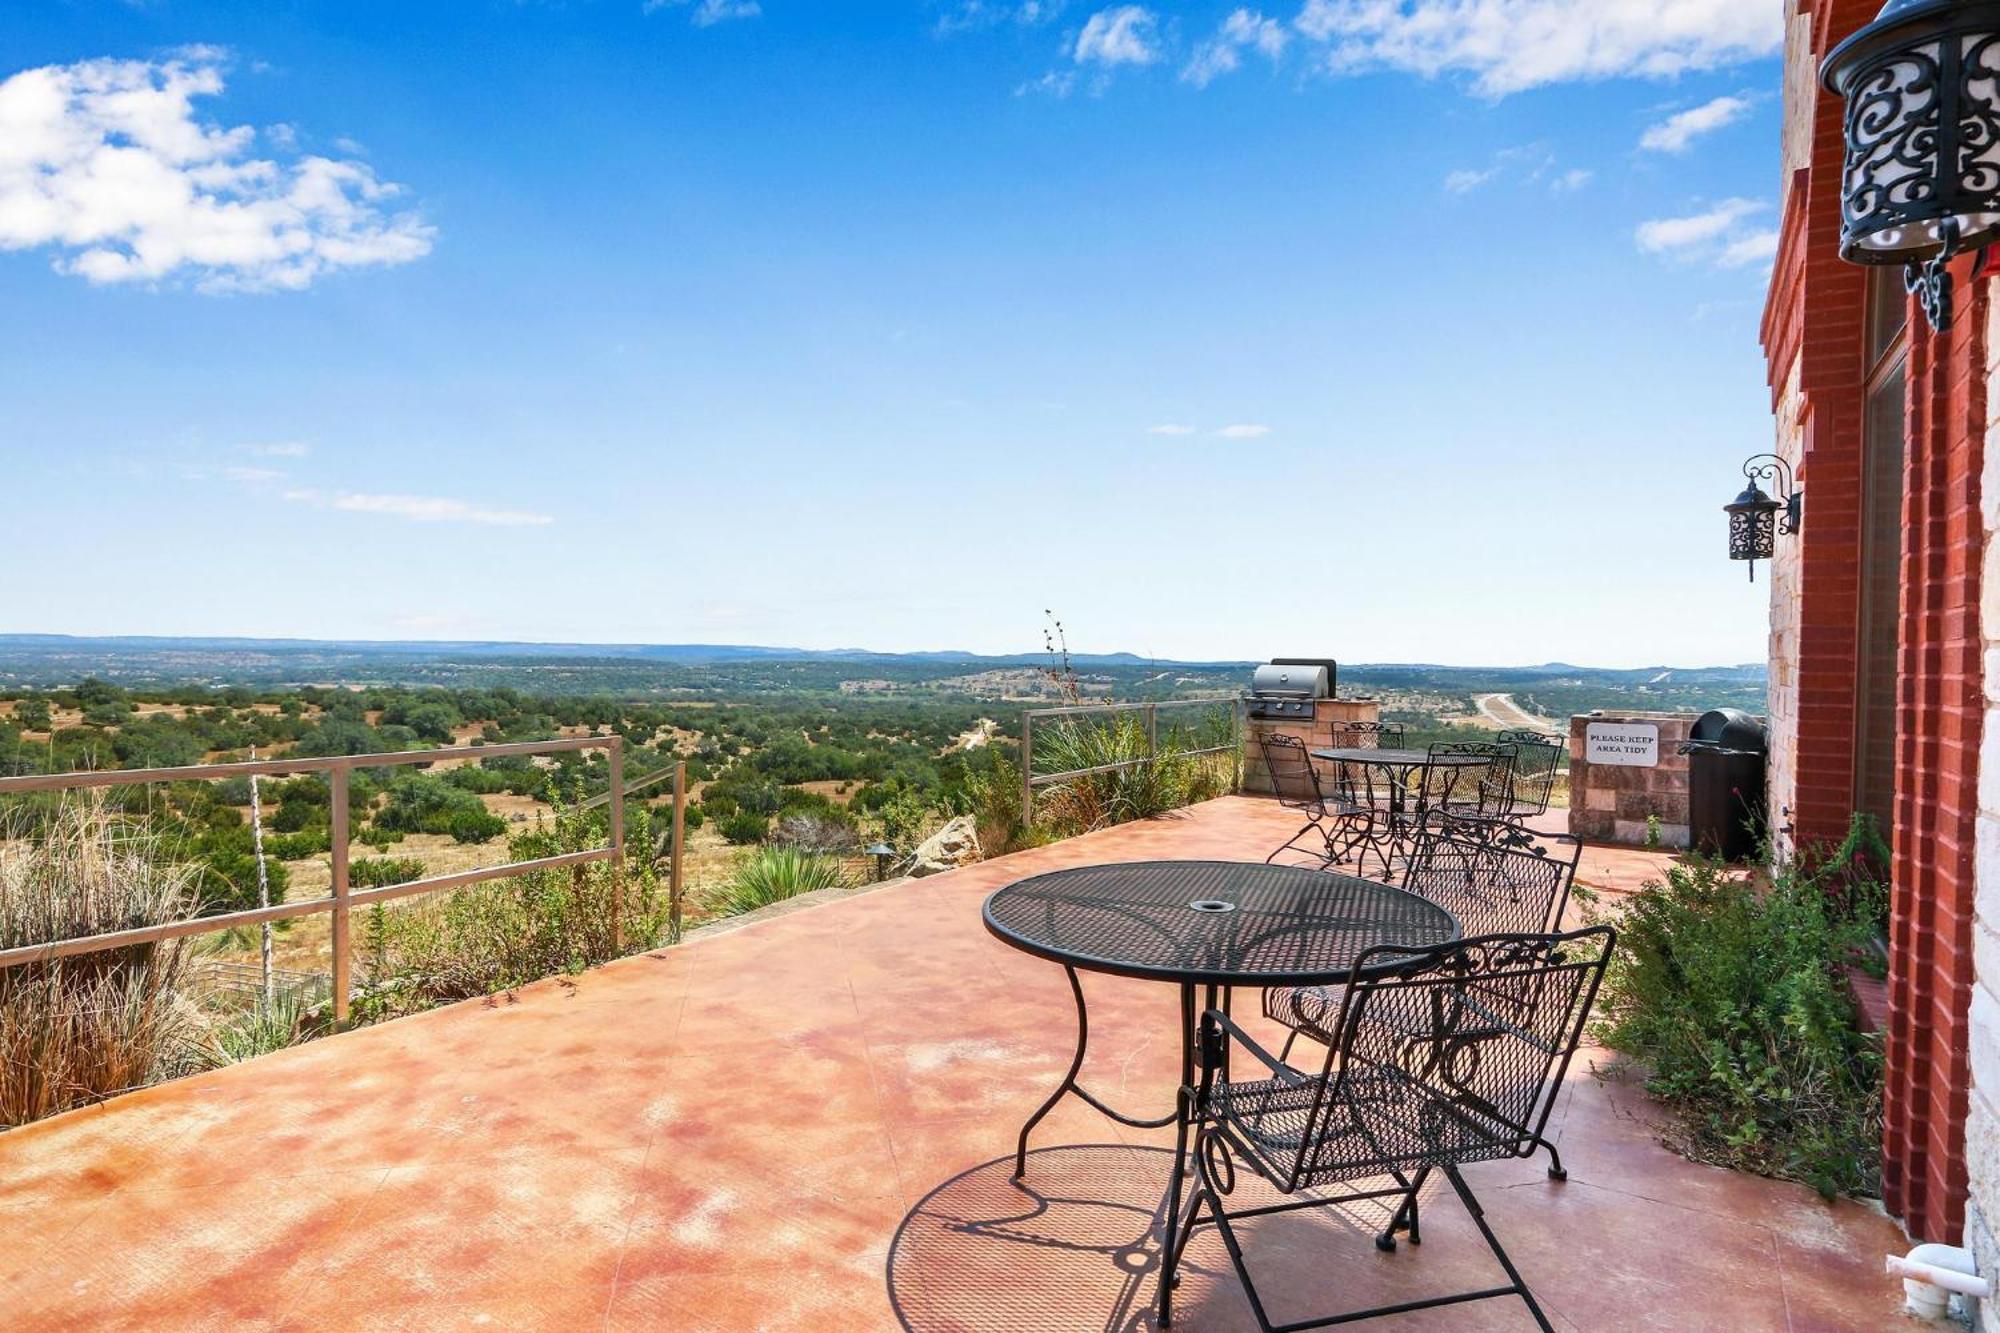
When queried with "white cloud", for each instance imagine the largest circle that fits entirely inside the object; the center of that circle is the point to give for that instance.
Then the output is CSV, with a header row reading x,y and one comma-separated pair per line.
x,y
1718,236
1527,164
1122,35
106,163
283,449
708,13
1170,429
418,508
978,15
1243,30
1055,83
1245,432
1511,45
1684,234
1466,180
251,476
1756,248
1677,133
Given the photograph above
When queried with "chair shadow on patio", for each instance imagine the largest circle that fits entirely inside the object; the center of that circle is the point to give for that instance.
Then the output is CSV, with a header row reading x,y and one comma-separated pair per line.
x,y
1076,1246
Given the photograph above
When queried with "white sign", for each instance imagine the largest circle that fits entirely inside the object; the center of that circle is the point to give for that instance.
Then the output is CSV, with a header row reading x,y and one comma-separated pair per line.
x,y
1622,744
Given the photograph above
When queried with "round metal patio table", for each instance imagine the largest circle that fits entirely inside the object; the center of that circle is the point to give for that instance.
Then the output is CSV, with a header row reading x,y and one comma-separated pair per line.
x,y
1209,924
1399,764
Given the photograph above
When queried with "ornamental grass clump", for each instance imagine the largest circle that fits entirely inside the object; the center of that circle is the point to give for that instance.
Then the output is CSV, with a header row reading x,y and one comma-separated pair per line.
x,y
79,1029
1140,790
1733,990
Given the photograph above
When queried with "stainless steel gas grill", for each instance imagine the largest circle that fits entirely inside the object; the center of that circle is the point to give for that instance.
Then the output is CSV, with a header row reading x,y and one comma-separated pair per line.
x,y
1290,688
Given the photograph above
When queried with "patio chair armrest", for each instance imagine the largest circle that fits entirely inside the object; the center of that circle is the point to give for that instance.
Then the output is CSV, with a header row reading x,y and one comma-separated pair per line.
x,y
1217,1028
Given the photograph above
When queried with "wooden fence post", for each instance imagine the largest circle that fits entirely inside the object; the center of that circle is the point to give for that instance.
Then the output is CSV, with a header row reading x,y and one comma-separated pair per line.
x,y
1027,771
680,835
617,761
343,959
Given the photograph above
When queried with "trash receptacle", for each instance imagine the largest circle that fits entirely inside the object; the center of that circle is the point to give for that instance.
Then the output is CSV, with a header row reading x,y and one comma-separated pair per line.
x,y
1727,750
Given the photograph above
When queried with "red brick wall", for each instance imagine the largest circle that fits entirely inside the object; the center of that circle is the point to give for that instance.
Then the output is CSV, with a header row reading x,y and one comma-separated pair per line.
x,y
1815,326
1940,712
1831,371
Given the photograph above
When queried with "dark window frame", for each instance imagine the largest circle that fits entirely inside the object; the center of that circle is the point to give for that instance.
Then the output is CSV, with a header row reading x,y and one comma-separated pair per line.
x,y
1887,349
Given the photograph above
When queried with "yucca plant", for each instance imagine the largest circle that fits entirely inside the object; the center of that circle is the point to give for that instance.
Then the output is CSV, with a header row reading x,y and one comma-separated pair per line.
x,y
76,1030
266,1025
773,874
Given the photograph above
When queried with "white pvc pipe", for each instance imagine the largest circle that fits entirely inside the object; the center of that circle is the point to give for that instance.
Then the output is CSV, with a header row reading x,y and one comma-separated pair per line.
x,y
1931,1273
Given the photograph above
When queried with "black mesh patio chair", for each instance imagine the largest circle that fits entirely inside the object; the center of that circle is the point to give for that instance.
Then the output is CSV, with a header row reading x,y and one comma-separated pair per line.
x,y
1493,876
1445,1057
1357,783
1342,827
1537,760
1482,791
1368,735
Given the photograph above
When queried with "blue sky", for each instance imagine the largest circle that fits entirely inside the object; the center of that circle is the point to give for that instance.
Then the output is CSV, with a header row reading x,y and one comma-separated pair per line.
x,y
1354,327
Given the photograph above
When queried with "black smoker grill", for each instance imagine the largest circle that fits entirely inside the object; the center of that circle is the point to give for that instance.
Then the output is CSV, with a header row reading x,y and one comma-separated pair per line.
x,y
1290,688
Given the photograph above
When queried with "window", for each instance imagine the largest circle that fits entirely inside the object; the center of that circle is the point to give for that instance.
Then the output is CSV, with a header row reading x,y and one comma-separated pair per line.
x,y
1878,622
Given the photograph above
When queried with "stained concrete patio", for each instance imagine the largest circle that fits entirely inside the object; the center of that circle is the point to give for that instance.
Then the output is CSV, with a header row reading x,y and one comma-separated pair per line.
x,y
799,1125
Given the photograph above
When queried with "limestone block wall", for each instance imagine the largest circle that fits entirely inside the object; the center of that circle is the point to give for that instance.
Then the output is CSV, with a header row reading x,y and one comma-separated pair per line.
x,y
1783,695
1982,1124
1611,803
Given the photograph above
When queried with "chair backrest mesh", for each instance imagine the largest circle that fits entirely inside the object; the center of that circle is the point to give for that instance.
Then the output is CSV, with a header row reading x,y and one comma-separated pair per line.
x,y
1484,786
1493,876
1537,760
1293,776
1454,1055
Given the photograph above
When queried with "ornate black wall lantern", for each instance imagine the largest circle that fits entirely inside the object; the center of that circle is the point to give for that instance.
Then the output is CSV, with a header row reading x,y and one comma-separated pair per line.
x,y
1755,519
1922,181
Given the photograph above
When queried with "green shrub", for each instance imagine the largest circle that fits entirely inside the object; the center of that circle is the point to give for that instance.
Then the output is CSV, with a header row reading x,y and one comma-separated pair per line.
x,y
474,826
489,937
296,846
373,872
743,827
1735,994
773,874
425,803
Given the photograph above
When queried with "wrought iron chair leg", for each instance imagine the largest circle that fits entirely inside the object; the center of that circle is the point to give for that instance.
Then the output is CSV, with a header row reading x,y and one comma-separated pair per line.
x,y
1068,1082
1493,1244
1406,1210
1285,1051
1184,1101
1556,1171
1291,842
1170,1278
1207,1184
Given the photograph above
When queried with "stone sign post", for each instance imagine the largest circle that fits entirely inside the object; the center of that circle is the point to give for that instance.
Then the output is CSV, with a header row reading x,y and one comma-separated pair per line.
x,y
1625,771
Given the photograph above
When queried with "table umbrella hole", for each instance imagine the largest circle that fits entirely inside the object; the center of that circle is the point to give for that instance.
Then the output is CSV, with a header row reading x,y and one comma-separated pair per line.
x,y
1211,905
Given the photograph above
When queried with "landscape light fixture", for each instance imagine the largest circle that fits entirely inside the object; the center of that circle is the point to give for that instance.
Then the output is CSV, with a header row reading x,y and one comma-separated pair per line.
x,y
1922,179
1755,519
881,851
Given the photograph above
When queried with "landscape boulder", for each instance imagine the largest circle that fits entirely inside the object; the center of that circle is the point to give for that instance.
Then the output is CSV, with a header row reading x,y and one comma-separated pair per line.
x,y
954,845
